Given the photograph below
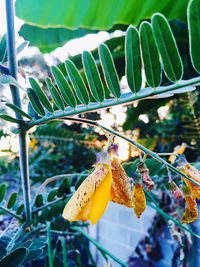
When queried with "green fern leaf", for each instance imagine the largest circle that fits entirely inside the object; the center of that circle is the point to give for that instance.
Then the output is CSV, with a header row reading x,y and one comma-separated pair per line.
x,y
77,82
35,102
55,94
93,77
10,119
150,55
41,95
193,15
64,87
18,110
109,70
133,60
167,47
12,200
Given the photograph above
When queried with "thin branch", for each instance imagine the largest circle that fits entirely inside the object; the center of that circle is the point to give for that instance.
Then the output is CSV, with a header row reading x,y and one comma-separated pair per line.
x,y
11,213
139,146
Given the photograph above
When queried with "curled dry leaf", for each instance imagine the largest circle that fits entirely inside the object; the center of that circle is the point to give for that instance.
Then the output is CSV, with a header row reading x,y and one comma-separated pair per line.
x,y
121,187
139,200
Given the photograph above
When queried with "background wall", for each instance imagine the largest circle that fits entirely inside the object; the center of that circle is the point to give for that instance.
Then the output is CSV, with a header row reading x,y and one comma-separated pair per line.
x,y
119,231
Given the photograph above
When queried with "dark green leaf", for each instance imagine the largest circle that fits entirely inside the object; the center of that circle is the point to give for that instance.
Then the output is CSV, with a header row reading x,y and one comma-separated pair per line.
x,y
12,200
109,70
167,47
77,82
35,102
64,87
15,258
93,76
193,14
18,110
39,200
52,195
3,188
41,95
20,209
3,50
55,94
150,55
10,119
133,60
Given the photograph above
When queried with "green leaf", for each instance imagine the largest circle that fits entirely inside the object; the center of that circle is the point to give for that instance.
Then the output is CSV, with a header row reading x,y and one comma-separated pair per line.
x,y
52,195
109,70
15,258
39,200
77,82
18,110
167,47
49,39
193,15
20,209
3,188
133,60
12,200
8,79
150,55
55,94
41,95
95,14
10,119
64,87
93,77
35,102
22,46
3,50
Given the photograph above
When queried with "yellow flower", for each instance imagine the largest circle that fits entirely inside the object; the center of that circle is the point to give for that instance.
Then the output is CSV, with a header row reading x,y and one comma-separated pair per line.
x,y
139,200
33,144
121,187
91,199
191,211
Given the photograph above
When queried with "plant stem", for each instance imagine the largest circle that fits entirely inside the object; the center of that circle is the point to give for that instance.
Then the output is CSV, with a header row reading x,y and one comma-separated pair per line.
x,y
50,252
23,153
11,213
144,149
64,251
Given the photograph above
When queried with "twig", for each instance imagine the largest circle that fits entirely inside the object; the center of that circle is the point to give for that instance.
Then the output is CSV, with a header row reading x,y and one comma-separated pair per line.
x,y
11,213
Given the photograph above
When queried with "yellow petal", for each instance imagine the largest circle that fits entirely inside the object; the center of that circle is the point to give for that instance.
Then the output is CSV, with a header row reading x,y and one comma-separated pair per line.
x,y
73,210
121,187
101,198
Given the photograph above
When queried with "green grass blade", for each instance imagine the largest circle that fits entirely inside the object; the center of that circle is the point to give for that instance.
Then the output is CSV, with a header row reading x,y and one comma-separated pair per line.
x,y
55,94
18,110
49,246
64,87
167,47
93,77
64,251
109,70
150,55
35,102
133,59
41,95
193,16
77,82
